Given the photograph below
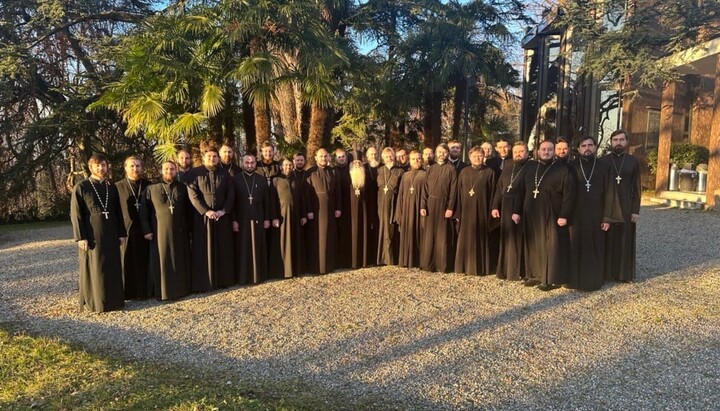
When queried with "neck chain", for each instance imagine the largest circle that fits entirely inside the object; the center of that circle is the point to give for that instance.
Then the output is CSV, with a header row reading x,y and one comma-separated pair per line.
x,y
167,193
587,178
105,211
250,190
472,188
618,169
132,190
514,177
537,182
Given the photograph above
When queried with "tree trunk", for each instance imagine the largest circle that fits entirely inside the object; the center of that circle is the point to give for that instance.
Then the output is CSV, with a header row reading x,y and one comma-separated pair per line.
x,y
262,123
318,119
287,108
433,118
458,106
248,115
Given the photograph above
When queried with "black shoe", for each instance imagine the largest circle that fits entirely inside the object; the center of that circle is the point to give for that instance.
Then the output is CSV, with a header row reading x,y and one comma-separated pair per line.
x,y
530,282
547,287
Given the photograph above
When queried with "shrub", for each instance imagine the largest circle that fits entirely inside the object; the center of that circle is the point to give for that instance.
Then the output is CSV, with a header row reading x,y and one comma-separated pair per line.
x,y
680,153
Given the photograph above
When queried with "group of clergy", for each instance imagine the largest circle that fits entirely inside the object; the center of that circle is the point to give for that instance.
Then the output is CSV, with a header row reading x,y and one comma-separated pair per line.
x,y
548,222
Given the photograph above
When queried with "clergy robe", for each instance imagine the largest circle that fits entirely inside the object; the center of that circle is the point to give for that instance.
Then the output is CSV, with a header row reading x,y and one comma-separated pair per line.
x,y
474,190
407,217
169,264
620,246
457,164
252,209
345,240
371,203
272,235
595,205
212,241
545,258
231,169
101,286
286,258
300,188
439,195
323,199
497,163
388,181
358,230
511,259
136,250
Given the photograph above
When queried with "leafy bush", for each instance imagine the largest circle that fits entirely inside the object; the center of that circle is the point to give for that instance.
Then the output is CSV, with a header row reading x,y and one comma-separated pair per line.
x,y
680,153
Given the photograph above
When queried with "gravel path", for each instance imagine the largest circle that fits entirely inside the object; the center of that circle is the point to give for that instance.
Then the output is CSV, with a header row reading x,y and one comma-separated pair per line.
x,y
390,338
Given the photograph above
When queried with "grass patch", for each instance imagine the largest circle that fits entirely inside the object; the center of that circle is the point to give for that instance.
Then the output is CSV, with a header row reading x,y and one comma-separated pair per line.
x,y
45,373
7,228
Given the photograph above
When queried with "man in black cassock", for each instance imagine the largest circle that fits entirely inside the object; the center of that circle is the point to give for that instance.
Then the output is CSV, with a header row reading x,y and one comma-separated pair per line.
x,y
342,170
488,151
166,217
324,205
504,156
511,259
251,220
402,159
372,167
562,151
267,167
388,181
99,230
428,157
454,151
288,200
184,165
407,212
594,211
227,160
437,207
212,194
546,199
357,229
474,189
620,240
136,250
300,189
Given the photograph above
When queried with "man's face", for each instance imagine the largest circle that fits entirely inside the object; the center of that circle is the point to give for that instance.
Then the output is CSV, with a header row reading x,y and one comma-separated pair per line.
x,y
210,159
133,169
546,151
415,161
184,159
98,170
476,158
561,150
299,162
587,148
619,142
341,158
428,155
388,157
169,171
287,167
441,154
402,156
322,158
249,164
226,154
520,153
454,151
487,149
372,154
503,148
267,154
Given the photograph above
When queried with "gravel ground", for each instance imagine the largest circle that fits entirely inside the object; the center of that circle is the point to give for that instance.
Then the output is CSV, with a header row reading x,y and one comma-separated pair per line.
x,y
391,338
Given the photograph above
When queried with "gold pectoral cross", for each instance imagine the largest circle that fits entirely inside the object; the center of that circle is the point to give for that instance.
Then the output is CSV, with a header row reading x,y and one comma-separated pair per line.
x,y
171,208
385,190
535,192
412,189
471,192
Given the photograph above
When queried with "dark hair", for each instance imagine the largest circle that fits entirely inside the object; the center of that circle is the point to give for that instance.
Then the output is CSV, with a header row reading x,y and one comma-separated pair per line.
x,y
618,132
561,140
211,149
583,138
474,149
301,154
97,159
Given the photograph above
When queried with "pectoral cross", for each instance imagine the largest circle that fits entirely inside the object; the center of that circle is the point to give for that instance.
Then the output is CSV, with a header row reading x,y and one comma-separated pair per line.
x,y
618,178
250,197
171,208
385,190
509,187
471,192
357,192
137,205
535,192
106,214
587,185
412,189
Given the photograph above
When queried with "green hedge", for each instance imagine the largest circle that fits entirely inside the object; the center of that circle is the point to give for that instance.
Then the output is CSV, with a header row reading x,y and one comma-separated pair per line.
x,y
680,153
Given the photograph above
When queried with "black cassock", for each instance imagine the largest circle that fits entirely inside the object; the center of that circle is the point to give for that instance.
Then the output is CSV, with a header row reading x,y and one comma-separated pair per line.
x,y
371,203
252,209
358,230
595,204
300,189
511,259
407,217
272,235
546,259
286,257
439,195
136,250
344,256
212,241
169,266
231,169
474,189
101,285
620,240
388,181
322,199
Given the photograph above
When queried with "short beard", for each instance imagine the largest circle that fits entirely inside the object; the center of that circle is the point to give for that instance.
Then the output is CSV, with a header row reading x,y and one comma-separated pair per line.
x,y
618,150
